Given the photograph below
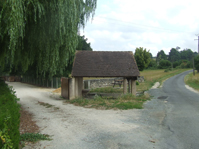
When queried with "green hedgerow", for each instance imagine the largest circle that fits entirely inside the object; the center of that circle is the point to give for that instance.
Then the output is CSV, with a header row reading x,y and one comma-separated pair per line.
x,y
9,117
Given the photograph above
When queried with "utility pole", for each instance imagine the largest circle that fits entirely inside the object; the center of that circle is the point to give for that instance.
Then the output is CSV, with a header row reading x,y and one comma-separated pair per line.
x,y
193,66
198,42
193,54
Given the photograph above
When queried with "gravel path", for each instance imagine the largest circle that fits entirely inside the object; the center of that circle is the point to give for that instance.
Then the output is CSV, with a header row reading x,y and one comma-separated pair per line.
x,y
75,127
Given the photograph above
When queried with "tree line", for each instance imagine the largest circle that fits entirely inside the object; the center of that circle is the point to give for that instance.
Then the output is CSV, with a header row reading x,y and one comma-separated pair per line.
x,y
175,59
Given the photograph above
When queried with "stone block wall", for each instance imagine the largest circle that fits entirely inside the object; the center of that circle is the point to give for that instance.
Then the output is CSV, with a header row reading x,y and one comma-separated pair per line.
x,y
97,83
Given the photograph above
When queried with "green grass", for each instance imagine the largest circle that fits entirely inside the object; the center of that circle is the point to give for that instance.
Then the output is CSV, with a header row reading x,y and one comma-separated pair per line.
x,y
34,137
192,81
123,102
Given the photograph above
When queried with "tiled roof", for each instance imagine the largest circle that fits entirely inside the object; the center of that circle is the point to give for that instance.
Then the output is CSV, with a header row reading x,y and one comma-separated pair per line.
x,y
104,64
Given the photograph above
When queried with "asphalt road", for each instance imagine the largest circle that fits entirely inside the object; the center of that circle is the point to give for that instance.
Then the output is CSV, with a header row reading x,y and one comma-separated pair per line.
x,y
181,121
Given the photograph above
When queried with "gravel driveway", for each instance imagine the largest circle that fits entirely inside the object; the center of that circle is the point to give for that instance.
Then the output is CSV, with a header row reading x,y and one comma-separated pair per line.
x,y
75,127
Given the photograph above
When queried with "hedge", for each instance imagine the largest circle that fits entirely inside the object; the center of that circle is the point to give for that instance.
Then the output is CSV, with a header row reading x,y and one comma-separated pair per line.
x,y
9,117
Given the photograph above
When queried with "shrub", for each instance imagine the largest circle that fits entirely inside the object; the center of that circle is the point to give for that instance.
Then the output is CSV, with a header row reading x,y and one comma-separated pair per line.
x,y
9,117
164,64
166,70
137,83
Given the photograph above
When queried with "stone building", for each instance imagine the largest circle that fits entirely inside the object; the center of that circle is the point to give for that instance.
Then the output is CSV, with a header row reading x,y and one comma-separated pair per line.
x,y
102,64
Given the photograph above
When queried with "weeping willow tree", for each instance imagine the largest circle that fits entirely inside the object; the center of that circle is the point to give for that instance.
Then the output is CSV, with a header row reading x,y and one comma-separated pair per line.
x,y
41,34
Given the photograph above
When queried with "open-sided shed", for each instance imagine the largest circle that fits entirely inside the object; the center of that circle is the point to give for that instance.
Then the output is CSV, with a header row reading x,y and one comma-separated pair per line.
x,y
103,64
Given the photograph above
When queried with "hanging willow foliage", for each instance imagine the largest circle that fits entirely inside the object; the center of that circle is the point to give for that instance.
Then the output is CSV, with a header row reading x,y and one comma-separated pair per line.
x,y
41,32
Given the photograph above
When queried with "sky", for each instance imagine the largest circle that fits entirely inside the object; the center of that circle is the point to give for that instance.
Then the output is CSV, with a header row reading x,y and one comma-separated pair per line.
x,y
124,25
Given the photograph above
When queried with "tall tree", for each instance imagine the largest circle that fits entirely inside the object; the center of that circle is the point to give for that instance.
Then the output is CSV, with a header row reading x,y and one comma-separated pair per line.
x,y
41,32
186,54
174,55
142,57
161,56
82,44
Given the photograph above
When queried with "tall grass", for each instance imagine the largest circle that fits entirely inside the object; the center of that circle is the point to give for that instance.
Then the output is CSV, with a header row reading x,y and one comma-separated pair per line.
x,y
192,81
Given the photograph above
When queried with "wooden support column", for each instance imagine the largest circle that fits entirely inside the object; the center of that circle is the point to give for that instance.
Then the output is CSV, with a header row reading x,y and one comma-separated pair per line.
x,y
125,86
133,87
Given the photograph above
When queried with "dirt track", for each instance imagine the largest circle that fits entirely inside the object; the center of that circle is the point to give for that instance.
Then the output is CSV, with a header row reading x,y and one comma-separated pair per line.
x,y
76,127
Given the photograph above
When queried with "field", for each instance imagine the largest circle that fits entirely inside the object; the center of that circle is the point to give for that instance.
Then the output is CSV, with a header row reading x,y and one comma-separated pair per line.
x,y
193,81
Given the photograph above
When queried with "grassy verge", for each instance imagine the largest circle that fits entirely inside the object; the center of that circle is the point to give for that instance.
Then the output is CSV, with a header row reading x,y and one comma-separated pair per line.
x,y
124,102
192,81
152,76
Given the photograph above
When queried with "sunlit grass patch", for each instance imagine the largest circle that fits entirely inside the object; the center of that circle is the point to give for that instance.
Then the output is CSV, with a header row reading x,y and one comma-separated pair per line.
x,y
124,102
192,81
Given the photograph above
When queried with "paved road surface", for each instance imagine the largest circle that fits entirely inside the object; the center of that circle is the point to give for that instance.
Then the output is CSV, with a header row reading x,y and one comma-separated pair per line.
x,y
169,121
182,114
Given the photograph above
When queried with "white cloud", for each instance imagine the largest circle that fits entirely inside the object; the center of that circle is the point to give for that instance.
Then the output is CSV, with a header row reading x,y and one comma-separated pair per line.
x,y
155,25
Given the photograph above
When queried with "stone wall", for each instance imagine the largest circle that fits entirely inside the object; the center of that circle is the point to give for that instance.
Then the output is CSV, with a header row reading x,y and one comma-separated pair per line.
x,y
97,83
88,84
140,79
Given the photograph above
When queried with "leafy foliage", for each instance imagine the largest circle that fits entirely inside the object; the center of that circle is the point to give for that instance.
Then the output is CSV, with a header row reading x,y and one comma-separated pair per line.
x,y
186,54
161,55
4,136
9,117
164,64
41,33
142,57
197,63
83,45
174,55
152,64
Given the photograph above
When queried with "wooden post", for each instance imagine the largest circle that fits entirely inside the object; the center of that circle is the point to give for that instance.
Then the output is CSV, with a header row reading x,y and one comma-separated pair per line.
x,y
125,86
